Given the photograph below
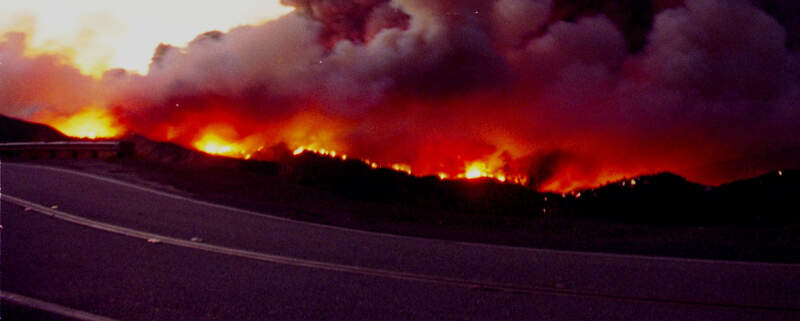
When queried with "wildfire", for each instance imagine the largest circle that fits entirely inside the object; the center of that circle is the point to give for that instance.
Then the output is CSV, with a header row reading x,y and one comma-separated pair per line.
x,y
473,170
319,151
568,182
476,170
357,81
223,139
89,123
402,168
215,140
487,169
213,144
333,154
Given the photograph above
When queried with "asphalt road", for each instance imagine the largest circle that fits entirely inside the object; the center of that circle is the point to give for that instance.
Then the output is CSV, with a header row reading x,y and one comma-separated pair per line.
x,y
81,242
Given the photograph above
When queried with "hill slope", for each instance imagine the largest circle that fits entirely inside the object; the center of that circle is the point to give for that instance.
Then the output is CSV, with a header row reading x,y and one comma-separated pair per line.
x,y
17,130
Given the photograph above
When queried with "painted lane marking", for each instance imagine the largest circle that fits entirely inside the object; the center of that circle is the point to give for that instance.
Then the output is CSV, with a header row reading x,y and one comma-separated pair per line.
x,y
378,234
40,305
352,269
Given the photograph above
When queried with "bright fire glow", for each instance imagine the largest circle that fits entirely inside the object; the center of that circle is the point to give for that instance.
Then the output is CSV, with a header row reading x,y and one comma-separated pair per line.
x,y
319,151
476,170
402,168
217,140
90,123
488,169
102,34
212,145
474,173
223,139
96,35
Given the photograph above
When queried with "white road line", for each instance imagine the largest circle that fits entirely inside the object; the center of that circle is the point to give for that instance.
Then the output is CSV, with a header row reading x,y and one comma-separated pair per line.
x,y
40,305
284,260
350,230
204,203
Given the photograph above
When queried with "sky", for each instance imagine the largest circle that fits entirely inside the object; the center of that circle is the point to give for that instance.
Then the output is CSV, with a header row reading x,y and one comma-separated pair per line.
x,y
105,34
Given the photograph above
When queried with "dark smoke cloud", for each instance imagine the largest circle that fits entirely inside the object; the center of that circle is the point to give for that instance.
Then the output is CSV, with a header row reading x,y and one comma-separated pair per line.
x,y
358,20
786,12
614,86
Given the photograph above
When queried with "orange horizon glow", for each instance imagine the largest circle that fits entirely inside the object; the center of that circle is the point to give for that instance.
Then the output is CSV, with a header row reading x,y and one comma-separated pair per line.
x,y
89,123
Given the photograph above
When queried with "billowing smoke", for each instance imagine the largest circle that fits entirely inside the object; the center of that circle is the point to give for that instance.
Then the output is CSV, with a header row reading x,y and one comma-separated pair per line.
x,y
565,92
40,85
358,20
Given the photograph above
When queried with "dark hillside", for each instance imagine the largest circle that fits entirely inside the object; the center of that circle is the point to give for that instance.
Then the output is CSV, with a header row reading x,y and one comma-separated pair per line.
x,y
16,130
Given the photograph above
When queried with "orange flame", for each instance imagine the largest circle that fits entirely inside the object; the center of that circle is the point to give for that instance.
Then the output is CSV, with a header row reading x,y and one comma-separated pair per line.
x,y
222,140
490,168
313,133
402,168
89,123
319,151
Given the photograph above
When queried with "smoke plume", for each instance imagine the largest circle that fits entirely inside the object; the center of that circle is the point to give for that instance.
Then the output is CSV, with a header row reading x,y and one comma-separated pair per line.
x,y
567,93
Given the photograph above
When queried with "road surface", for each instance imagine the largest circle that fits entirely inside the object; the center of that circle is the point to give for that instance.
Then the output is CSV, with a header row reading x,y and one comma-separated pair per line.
x,y
75,243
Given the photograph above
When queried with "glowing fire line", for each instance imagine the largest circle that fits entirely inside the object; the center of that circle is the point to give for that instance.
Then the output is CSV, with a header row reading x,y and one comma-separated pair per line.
x,y
218,140
475,170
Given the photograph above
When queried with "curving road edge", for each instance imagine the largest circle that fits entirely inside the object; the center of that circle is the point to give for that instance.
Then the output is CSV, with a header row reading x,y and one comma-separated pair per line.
x,y
284,260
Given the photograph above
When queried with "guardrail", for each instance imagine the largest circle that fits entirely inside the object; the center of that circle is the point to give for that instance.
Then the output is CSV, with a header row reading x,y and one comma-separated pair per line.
x,y
41,150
